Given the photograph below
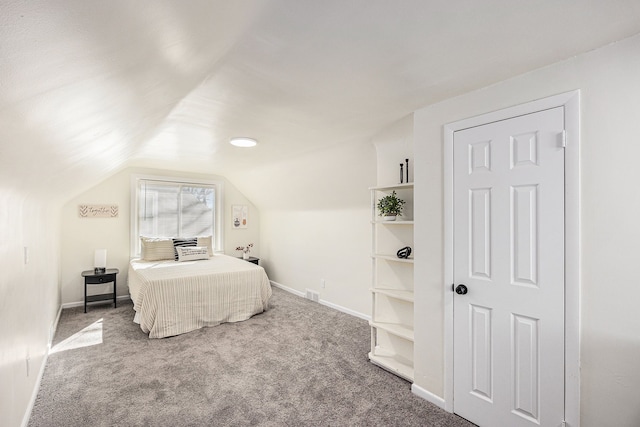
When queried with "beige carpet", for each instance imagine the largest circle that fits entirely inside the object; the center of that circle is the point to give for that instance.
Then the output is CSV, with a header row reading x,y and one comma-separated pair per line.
x,y
298,364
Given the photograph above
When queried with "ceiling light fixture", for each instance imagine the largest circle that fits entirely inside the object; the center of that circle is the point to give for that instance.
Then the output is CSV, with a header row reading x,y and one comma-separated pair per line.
x,y
243,142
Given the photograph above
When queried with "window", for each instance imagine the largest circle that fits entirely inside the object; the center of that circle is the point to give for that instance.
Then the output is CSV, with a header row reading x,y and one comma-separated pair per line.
x,y
164,207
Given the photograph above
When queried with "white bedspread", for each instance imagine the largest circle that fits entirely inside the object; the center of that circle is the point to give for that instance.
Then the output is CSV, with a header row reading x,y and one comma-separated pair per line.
x,y
172,298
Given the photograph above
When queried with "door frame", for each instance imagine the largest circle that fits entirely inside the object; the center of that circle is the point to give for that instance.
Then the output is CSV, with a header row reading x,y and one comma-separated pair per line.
x,y
570,101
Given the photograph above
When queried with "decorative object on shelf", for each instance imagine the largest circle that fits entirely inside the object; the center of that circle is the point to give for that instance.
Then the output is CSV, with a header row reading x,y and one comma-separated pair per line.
x,y
404,253
407,169
401,173
98,211
100,261
390,206
245,250
240,215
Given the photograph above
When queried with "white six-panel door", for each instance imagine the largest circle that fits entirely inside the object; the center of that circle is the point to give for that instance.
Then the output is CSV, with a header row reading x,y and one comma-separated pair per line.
x,y
509,254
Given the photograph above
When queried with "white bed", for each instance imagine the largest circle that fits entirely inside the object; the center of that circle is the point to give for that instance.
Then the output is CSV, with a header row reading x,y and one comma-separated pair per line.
x,y
172,297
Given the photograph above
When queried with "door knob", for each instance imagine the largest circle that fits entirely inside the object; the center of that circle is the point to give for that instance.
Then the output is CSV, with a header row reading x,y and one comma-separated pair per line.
x,y
461,289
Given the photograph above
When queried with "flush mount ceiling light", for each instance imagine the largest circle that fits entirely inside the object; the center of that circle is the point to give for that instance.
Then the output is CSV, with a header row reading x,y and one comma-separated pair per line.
x,y
243,142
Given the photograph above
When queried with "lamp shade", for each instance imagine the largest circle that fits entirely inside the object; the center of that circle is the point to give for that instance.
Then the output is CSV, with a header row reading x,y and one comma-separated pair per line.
x,y
100,259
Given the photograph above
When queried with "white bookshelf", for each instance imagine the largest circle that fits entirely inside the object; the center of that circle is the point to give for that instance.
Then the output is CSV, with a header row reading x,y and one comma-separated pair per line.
x,y
392,288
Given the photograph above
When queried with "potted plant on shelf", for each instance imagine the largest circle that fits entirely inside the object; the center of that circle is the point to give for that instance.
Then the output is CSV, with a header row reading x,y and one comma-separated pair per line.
x,y
245,250
390,206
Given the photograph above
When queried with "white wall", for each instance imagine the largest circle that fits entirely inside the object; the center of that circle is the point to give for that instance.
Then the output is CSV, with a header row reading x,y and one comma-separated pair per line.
x,y
315,222
29,295
610,208
81,236
394,144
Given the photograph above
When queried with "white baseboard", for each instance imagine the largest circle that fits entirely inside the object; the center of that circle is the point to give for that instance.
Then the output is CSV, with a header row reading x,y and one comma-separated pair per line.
x,y
36,388
285,288
428,396
323,302
346,310
54,328
81,303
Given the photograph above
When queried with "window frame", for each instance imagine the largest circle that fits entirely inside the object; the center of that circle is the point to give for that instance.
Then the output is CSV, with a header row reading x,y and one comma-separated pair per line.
x,y
218,226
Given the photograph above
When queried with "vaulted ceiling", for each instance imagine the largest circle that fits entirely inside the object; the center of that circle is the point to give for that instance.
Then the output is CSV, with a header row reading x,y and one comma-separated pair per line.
x,y
88,86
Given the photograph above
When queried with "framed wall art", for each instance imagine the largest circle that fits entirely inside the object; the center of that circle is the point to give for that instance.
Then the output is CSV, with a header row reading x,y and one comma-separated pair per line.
x,y
240,216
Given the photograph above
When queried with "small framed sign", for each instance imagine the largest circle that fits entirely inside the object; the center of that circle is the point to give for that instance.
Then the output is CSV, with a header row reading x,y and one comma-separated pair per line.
x,y
98,211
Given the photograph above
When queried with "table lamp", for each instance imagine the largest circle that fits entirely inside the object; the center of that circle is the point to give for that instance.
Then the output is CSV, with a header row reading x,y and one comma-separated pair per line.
x,y
100,261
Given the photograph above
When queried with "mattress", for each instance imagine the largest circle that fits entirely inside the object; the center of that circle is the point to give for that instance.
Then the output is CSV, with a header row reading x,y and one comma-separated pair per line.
x,y
171,297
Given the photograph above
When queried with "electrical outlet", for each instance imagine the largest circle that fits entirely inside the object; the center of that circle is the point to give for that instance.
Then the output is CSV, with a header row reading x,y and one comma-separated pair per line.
x,y
26,255
322,283
27,360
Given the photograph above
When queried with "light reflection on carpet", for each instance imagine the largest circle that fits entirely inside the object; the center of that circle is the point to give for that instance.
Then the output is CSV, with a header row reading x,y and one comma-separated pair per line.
x,y
91,335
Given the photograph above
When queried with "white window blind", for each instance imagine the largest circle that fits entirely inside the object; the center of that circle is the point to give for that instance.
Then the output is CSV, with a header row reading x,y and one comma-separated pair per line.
x,y
174,209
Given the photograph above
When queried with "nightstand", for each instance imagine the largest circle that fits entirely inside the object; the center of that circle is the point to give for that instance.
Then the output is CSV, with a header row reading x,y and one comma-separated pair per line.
x,y
93,278
251,259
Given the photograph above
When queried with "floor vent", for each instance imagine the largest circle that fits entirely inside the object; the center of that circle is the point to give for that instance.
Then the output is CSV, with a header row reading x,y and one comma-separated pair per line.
x,y
313,295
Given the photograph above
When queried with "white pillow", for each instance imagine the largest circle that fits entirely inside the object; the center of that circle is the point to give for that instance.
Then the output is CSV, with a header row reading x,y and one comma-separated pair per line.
x,y
156,248
206,241
192,253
